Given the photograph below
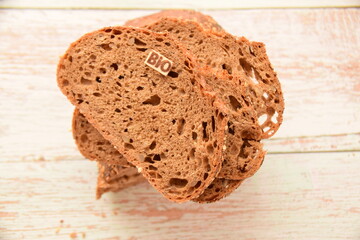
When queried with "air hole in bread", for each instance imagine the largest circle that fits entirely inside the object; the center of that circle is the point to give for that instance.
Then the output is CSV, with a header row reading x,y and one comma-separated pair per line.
x,y
217,190
265,129
148,159
152,145
139,42
235,104
157,157
65,83
84,138
231,129
227,68
191,35
180,126
274,117
205,135
151,167
141,49
112,36
192,153
128,146
167,44
206,175
85,81
194,135
139,88
70,58
153,100
102,70
120,77
249,70
210,149
178,182
116,32
243,154
107,30
97,94
245,134
213,123
88,74
92,57
114,66
106,47
97,79
262,119
173,74
79,101
198,184
159,39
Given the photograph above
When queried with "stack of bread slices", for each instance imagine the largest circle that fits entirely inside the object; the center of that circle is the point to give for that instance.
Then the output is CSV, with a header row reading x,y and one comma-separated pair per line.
x,y
172,99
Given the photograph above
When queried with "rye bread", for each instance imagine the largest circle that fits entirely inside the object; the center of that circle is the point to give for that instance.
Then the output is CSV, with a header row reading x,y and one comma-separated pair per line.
x,y
91,143
205,21
247,62
113,178
147,116
217,190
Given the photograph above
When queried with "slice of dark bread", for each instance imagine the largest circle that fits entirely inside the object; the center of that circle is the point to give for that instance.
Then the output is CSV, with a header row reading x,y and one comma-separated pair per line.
x,y
217,190
147,116
91,143
115,178
245,61
205,21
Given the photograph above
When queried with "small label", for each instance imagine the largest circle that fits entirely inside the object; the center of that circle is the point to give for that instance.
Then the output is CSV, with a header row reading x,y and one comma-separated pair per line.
x,y
158,62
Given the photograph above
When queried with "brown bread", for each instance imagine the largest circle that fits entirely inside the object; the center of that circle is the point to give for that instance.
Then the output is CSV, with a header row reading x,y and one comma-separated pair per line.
x,y
91,143
217,190
245,61
147,116
113,178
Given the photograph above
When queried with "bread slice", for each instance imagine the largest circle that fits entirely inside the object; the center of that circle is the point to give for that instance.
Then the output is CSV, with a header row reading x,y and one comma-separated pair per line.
x,y
113,178
245,61
149,117
91,143
217,190
206,21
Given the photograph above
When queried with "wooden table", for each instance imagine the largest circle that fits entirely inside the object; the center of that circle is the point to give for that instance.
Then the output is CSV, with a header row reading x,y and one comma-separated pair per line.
x,y
307,188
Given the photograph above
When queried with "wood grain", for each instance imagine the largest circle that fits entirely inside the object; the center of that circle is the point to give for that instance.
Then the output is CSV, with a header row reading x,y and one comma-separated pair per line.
x,y
160,4
307,196
309,190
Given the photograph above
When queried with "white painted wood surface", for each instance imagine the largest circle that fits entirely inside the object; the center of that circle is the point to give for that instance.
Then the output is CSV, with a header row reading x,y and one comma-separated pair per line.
x,y
292,197
309,190
160,4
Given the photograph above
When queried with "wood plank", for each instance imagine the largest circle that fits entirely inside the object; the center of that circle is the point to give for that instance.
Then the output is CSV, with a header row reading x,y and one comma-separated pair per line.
x,y
336,143
161,4
315,52
297,196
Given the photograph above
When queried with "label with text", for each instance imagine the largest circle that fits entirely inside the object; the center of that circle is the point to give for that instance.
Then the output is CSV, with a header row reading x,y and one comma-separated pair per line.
x,y
158,62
